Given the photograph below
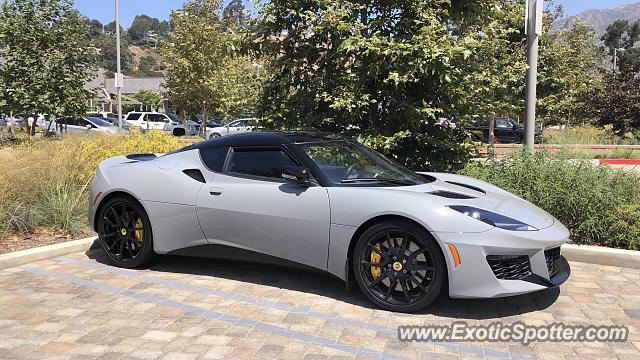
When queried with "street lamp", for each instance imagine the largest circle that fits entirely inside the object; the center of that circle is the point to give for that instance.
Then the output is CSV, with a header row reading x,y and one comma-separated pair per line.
x,y
615,59
119,77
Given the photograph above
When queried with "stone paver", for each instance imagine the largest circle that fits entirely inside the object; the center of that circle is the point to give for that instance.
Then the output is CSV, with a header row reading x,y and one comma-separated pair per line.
x,y
76,307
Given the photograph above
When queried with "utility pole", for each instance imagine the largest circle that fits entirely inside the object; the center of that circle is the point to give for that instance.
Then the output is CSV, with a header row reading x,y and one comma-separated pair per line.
x,y
533,29
119,78
615,60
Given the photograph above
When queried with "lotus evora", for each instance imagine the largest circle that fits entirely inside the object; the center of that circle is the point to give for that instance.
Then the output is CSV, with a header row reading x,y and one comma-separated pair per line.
x,y
331,204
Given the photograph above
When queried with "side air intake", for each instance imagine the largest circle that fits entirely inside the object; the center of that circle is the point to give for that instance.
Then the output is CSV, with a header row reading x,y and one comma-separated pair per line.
x,y
450,194
470,187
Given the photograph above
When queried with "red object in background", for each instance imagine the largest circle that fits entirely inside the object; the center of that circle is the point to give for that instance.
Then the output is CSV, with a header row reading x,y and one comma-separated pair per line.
x,y
620,161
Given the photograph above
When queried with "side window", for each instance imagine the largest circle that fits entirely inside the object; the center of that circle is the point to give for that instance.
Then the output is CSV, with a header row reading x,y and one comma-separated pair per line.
x,y
260,162
503,123
72,122
213,158
133,116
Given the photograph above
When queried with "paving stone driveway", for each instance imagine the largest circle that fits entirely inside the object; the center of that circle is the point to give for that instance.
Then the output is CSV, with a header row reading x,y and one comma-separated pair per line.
x,y
77,307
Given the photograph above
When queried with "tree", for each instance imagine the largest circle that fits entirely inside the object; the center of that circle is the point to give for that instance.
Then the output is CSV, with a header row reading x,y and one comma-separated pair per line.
x,y
95,28
240,83
619,104
144,25
42,75
493,75
147,63
151,99
235,13
204,70
568,74
108,54
385,71
624,35
111,28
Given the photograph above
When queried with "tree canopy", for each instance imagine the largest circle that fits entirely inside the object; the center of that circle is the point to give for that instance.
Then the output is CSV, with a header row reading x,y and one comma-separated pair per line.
x,y
384,71
143,25
205,71
40,75
623,34
151,99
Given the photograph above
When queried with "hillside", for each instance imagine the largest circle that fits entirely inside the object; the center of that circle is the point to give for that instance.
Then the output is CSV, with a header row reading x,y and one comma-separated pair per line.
x,y
600,19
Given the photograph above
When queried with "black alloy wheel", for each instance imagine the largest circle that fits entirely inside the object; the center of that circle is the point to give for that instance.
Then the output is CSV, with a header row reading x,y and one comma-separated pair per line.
x,y
125,233
399,266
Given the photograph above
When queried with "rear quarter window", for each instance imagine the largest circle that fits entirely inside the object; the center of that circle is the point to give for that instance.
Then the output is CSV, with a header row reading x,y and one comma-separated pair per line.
x,y
214,158
133,116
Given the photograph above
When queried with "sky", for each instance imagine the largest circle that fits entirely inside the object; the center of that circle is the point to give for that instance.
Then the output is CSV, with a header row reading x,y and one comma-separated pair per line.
x,y
103,10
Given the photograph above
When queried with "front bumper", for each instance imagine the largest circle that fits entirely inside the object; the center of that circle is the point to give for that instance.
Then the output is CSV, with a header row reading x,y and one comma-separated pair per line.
x,y
475,278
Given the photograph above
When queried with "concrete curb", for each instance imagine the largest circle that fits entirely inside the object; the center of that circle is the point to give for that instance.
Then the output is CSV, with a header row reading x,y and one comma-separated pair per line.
x,y
18,258
602,255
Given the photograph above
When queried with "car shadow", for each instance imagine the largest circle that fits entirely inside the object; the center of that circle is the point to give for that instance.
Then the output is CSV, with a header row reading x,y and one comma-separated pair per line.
x,y
323,284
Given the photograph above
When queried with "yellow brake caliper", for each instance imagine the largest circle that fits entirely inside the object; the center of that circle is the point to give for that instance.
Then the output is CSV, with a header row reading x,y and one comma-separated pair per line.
x,y
375,258
139,232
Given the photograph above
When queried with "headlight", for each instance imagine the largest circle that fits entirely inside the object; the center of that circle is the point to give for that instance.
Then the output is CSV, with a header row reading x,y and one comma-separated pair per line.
x,y
493,219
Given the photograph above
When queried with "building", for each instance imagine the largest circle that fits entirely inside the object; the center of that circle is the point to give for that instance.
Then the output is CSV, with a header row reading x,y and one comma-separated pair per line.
x,y
106,92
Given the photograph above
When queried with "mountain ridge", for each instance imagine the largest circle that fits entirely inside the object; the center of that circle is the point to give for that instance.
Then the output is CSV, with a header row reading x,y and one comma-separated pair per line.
x,y
599,19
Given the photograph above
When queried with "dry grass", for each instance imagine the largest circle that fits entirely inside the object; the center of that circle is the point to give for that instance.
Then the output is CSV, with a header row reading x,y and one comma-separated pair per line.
x,y
44,184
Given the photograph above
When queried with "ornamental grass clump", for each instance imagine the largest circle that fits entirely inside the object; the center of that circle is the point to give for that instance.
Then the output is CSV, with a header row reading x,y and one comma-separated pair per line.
x,y
599,205
44,184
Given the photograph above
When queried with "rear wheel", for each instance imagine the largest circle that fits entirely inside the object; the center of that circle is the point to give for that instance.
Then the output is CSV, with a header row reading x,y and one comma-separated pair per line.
x,y
125,234
399,266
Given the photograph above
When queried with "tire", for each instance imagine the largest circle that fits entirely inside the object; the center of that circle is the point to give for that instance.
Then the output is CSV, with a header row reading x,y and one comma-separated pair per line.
x,y
125,233
179,132
408,279
214,136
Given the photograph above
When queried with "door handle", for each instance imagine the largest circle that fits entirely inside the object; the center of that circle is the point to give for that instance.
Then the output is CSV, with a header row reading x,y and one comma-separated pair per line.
x,y
215,191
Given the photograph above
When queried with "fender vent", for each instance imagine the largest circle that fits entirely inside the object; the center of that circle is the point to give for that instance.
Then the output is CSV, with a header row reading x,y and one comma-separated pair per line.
x,y
195,174
470,187
451,194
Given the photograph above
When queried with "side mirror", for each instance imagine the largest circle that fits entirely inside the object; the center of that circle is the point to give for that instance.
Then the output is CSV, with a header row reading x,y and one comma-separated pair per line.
x,y
297,173
88,127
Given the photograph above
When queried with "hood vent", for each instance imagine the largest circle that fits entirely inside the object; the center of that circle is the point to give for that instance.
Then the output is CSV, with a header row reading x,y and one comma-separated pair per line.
x,y
451,194
470,187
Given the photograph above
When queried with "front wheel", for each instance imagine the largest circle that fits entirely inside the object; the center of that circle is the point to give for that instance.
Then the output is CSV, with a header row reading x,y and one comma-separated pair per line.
x,y
125,233
399,266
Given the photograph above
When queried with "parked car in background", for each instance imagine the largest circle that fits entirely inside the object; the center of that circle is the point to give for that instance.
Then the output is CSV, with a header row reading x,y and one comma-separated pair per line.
x,y
193,128
80,125
235,127
446,123
163,122
109,116
506,130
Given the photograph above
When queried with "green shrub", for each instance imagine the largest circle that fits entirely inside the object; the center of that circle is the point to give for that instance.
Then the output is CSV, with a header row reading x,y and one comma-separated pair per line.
x,y
587,135
596,203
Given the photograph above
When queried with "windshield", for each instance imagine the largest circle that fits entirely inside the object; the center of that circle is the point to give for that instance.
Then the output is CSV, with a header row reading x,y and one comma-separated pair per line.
x,y
351,163
99,121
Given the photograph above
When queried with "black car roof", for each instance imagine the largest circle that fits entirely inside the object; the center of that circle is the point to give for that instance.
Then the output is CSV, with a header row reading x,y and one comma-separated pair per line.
x,y
267,138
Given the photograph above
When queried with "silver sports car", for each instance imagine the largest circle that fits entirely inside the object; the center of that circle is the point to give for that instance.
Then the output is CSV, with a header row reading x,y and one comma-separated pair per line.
x,y
327,203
